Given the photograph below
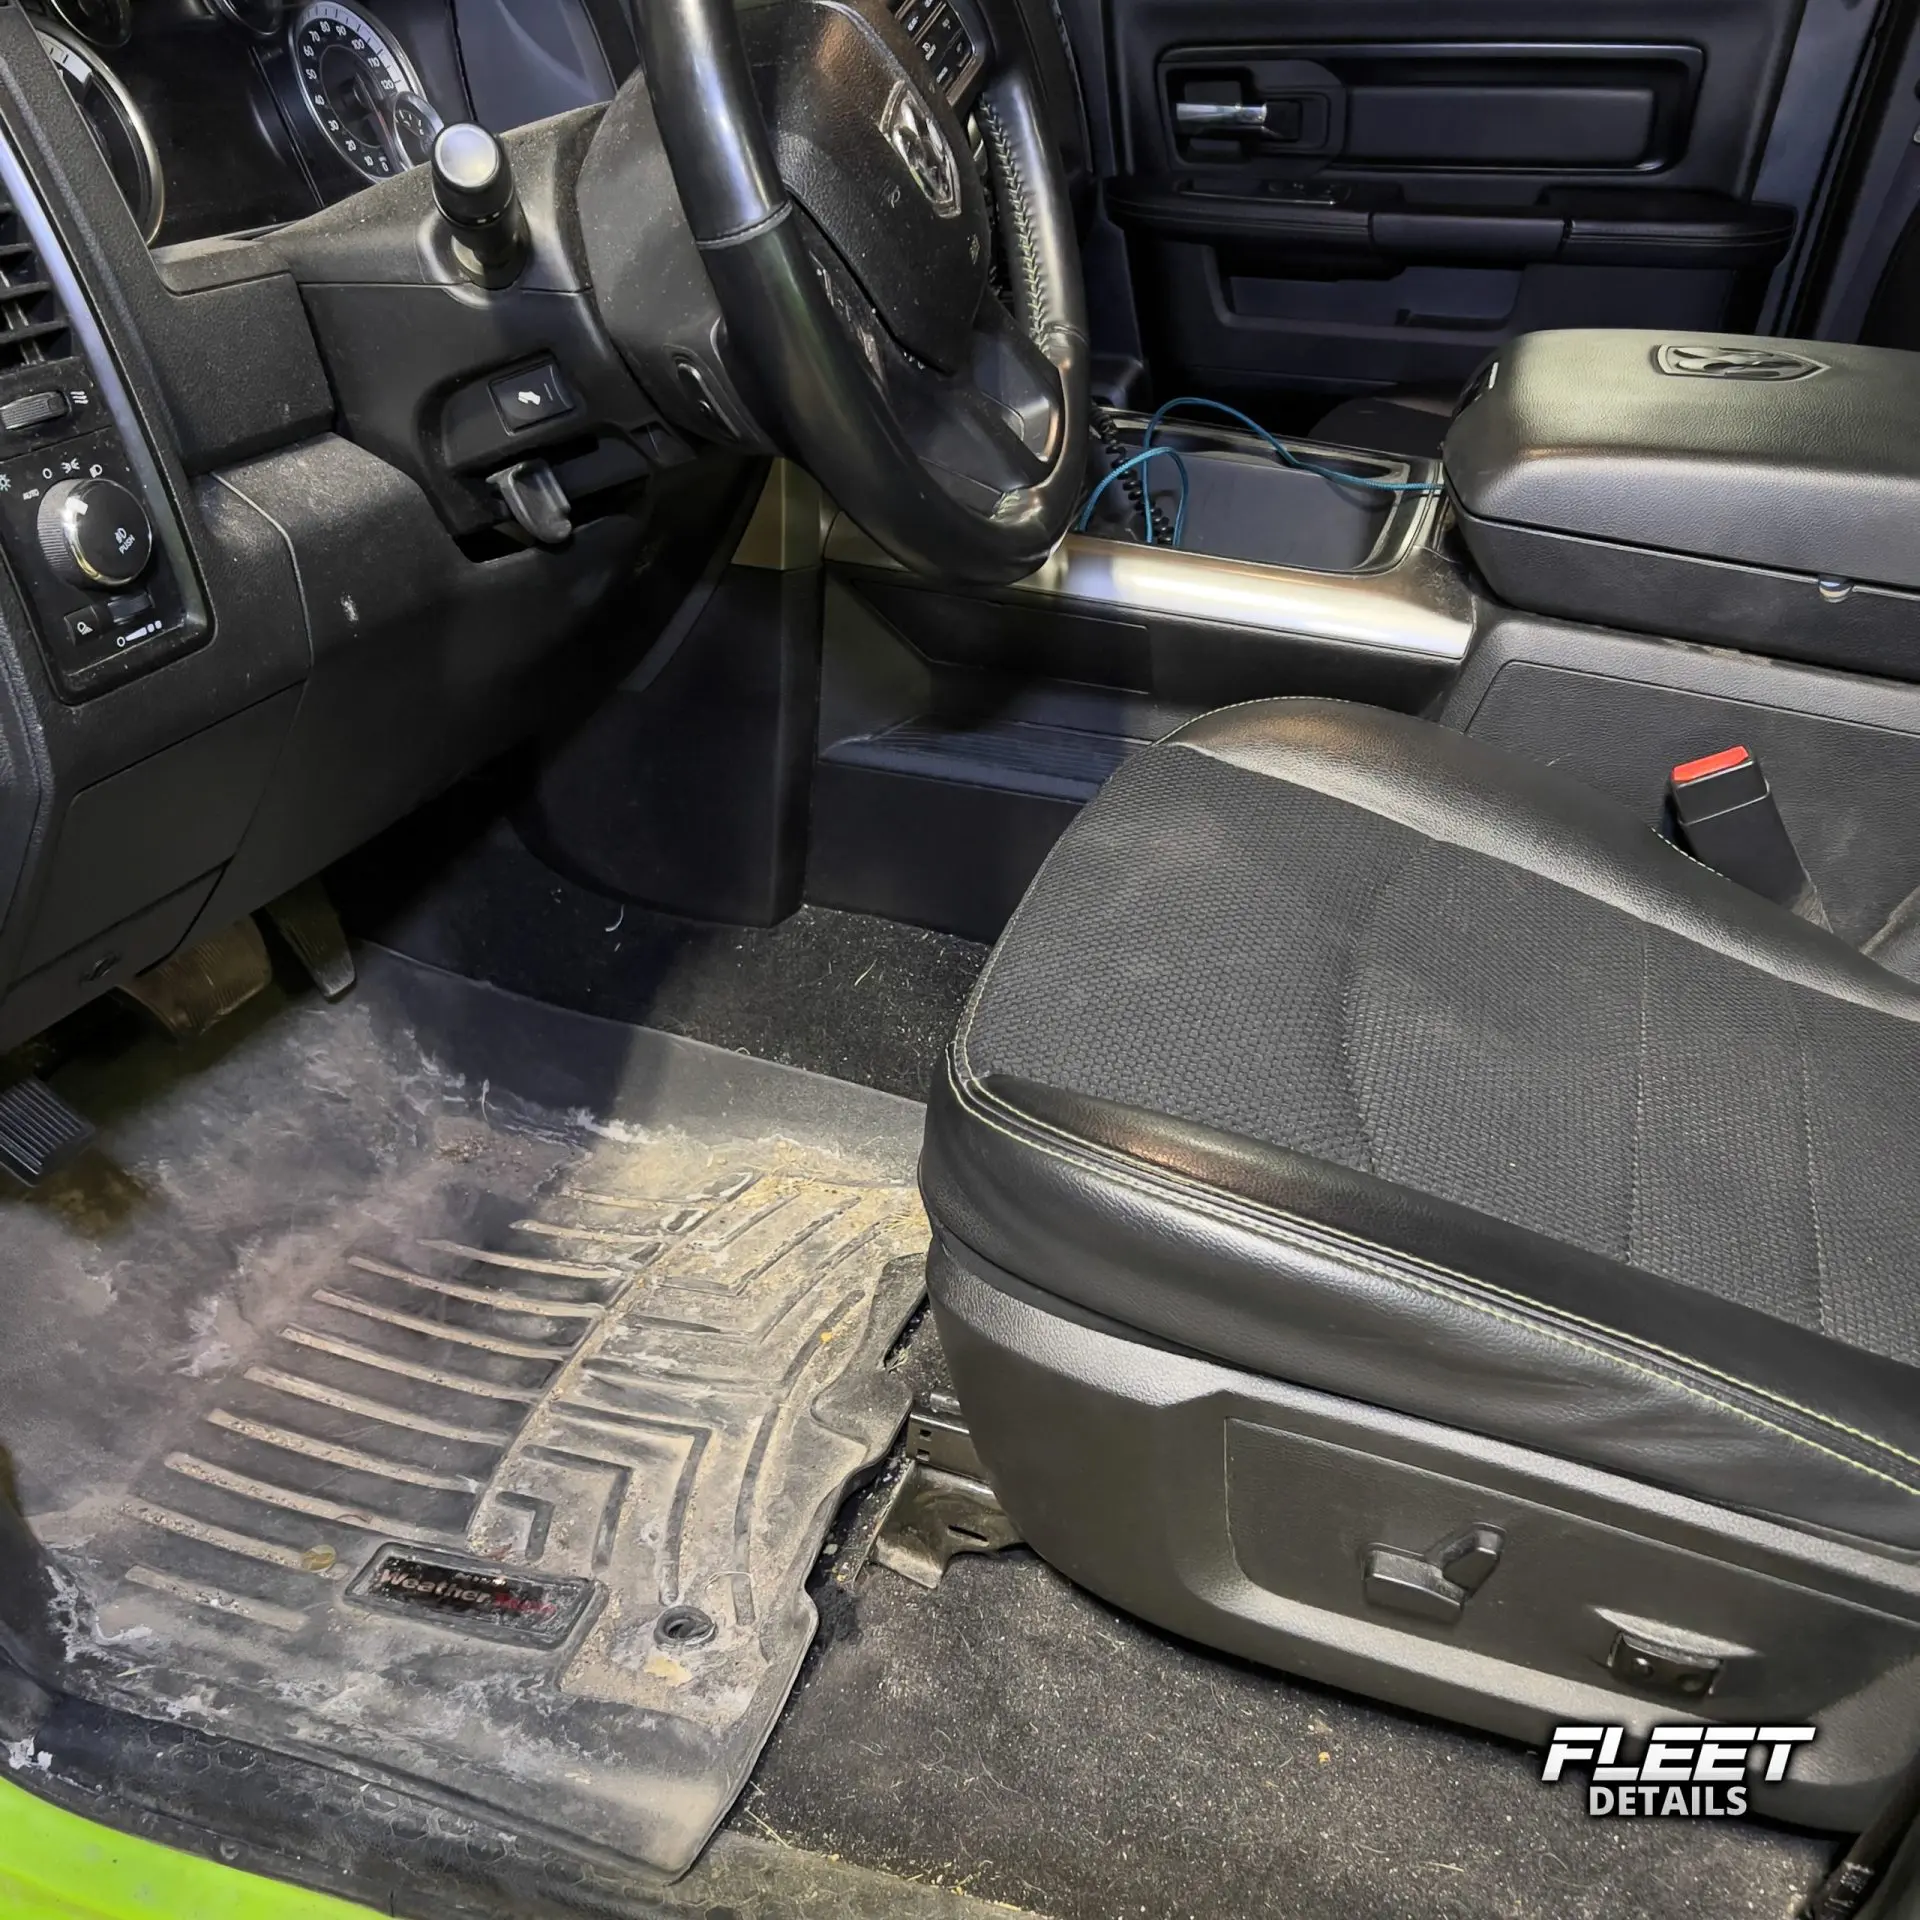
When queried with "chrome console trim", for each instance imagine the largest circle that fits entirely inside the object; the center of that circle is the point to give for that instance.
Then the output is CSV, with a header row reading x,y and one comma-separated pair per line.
x,y
1418,604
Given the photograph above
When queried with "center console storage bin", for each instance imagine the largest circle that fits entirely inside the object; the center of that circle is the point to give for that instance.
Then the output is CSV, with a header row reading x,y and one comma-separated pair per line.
x,y
1763,494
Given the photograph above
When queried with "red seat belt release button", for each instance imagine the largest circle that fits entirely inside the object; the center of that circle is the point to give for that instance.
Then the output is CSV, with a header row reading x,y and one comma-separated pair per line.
x,y
1728,820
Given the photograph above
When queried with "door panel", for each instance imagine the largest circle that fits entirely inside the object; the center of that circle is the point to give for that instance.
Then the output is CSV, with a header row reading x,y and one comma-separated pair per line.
x,y
1336,195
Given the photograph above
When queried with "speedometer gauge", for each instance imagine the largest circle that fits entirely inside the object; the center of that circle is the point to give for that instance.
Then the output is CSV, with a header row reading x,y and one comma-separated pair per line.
x,y
355,79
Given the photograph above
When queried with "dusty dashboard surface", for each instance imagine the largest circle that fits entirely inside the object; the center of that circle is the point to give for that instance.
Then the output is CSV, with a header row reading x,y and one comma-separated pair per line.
x,y
224,116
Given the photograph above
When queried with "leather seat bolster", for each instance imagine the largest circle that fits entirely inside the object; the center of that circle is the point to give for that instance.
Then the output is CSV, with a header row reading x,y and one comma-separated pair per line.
x,y
1275,1262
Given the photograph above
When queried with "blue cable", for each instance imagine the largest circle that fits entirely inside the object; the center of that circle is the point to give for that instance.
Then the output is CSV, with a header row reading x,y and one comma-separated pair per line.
x,y
1285,455
1140,459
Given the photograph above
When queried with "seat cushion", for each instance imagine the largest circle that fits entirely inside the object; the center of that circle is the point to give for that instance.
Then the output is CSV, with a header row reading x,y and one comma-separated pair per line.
x,y
1410,421
1343,1048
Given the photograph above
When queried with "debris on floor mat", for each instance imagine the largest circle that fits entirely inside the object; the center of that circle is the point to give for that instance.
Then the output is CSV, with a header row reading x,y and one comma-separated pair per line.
x,y
468,1388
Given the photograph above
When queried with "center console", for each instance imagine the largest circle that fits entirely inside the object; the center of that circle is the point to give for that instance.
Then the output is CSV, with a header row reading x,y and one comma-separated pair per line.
x,y
1647,548
961,729
1761,494
1696,542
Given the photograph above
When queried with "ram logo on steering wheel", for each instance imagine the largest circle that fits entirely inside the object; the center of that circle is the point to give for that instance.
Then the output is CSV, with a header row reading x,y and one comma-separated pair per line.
x,y
915,136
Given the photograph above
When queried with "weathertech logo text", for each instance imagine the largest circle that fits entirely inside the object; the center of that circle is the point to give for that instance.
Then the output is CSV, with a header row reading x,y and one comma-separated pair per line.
x,y
1688,1772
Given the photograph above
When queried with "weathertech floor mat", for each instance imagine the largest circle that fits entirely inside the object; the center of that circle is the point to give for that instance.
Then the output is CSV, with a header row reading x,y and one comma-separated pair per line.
x,y
459,1391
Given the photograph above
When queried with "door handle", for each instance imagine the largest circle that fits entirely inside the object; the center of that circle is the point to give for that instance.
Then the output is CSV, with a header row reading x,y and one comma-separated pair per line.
x,y
1219,115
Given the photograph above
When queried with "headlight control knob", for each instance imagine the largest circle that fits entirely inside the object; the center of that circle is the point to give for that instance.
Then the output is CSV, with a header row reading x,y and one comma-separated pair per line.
x,y
95,533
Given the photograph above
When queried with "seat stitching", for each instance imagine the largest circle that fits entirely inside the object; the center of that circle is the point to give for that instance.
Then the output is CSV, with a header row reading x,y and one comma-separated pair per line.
x,y
1419,851
1346,1057
1268,1223
1813,1184
1032,291
1639,1094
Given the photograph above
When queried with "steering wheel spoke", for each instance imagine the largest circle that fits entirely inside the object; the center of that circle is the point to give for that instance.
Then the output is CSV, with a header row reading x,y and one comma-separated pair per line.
x,y
1009,368
994,428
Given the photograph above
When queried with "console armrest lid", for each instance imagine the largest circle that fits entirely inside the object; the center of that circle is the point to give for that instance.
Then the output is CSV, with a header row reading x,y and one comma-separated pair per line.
x,y
1796,455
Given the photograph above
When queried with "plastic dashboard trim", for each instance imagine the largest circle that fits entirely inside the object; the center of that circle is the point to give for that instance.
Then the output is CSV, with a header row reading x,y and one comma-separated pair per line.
x,y
100,357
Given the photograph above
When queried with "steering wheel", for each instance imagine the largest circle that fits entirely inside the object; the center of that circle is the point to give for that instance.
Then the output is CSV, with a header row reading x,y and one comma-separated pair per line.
x,y
848,234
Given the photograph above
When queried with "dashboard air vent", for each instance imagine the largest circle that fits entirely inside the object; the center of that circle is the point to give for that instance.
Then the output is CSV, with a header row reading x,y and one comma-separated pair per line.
x,y
33,326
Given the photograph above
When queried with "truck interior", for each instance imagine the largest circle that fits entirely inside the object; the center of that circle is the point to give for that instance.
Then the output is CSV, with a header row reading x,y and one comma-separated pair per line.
x,y
963,954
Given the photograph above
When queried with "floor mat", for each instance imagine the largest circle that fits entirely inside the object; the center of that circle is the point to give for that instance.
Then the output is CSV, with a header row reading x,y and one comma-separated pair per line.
x,y
459,1390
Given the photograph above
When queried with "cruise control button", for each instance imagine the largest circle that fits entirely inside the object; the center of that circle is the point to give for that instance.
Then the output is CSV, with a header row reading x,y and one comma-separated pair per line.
x,y
531,399
33,410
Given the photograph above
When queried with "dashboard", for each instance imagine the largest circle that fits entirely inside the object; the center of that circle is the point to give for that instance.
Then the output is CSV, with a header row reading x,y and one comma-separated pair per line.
x,y
269,575
219,117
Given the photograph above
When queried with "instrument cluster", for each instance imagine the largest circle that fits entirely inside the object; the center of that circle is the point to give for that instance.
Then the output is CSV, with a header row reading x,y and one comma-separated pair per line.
x,y
328,95
361,88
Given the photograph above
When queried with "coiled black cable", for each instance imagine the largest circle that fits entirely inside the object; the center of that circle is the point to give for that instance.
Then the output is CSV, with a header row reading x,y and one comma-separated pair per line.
x,y
1108,431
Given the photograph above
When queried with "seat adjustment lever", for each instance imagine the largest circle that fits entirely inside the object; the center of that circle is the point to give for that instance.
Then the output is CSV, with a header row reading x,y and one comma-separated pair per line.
x,y
1435,1585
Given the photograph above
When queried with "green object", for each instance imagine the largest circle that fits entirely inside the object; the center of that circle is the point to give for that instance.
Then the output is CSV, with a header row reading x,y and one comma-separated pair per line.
x,y
57,1866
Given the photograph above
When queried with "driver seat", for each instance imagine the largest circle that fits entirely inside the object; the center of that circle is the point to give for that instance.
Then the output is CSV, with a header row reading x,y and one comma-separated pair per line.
x,y
1398,1219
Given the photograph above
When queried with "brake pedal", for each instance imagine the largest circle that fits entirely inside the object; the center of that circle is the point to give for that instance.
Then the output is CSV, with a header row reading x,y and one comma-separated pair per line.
x,y
306,921
39,1132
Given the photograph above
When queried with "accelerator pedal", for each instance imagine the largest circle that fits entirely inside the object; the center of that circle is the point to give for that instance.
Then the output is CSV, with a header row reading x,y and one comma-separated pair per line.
x,y
306,921
39,1132
194,991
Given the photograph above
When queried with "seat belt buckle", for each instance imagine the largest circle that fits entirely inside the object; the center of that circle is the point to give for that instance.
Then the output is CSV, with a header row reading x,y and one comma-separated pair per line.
x,y
1728,819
